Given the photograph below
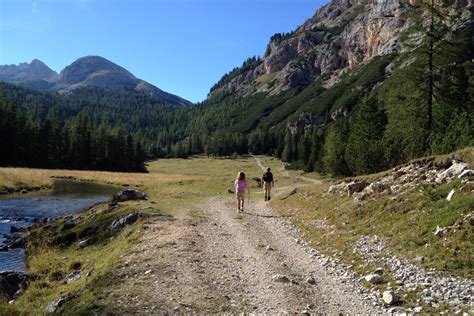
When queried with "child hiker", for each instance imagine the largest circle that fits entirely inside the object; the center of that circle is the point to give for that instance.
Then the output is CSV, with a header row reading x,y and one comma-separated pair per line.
x,y
240,186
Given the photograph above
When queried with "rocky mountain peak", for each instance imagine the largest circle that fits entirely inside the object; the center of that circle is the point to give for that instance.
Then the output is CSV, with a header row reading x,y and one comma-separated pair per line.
x,y
88,66
36,70
86,71
341,35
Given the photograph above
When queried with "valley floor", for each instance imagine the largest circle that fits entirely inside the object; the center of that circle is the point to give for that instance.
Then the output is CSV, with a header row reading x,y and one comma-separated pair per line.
x,y
305,251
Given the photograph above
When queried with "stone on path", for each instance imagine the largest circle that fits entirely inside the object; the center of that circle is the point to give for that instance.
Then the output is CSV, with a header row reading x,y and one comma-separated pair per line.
x,y
281,278
390,297
310,280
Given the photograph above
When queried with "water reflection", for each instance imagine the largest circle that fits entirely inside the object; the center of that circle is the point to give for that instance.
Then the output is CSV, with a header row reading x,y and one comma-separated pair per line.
x,y
67,197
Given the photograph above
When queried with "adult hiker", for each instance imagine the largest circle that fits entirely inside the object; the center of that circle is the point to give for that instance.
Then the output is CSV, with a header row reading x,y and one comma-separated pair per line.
x,y
240,186
267,183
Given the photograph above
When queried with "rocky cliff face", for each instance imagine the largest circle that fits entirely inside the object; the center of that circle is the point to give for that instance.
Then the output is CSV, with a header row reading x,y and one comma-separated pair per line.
x,y
340,36
86,71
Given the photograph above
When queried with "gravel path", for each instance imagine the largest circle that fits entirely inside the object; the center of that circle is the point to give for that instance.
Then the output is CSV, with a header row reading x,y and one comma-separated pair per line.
x,y
215,260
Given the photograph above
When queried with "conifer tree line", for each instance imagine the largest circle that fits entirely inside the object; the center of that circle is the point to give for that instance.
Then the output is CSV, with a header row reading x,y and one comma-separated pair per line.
x,y
49,142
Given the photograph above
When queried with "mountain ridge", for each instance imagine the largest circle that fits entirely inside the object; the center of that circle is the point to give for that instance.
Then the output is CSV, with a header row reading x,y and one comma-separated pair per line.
x,y
340,36
86,71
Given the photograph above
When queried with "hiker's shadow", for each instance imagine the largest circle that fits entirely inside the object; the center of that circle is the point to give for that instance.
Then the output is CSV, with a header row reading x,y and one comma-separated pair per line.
x,y
260,215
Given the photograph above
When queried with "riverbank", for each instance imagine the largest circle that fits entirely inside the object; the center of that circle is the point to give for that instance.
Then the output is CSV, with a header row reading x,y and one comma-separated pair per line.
x,y
18,212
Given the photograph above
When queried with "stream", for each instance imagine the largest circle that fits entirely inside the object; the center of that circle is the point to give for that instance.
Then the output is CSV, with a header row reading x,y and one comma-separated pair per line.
x,y
67,196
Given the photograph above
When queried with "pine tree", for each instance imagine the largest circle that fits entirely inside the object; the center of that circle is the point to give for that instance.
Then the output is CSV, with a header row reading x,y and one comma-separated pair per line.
x,y
432,25
364,151
334,148
287,153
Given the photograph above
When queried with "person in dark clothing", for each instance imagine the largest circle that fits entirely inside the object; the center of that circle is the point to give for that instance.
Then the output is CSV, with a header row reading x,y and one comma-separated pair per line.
x,y
267,183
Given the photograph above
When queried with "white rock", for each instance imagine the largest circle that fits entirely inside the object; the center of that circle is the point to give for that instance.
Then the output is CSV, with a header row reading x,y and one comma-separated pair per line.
x,y
450,195
439,231
390,297
417,309
373,278
466,173
454,170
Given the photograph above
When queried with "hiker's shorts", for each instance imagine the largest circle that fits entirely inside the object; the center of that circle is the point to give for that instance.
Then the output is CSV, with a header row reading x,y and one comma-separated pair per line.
x,y
267,186
240,195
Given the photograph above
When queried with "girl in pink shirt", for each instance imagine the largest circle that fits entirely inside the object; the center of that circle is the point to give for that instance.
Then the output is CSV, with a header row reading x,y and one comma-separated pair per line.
x,y
240,186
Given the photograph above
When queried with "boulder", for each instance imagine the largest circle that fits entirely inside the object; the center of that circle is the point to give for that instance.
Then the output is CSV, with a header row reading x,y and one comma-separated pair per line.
x,y
17,243
14,229
390,297
53,307
120,223
12,283
378,271
358,198
466,173
73,276
129,194
311,280
339,188
456,169
373,278
376,187
356,186
281,278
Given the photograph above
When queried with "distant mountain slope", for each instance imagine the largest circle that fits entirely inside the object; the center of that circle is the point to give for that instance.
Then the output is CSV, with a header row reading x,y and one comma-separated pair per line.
x,y
86,71
36,70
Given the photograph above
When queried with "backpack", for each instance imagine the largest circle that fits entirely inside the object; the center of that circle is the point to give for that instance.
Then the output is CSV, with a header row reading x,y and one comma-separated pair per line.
x,y
267,177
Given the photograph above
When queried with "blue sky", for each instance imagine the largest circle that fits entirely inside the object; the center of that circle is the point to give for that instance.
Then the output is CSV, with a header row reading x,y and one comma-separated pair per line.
x,y
181,46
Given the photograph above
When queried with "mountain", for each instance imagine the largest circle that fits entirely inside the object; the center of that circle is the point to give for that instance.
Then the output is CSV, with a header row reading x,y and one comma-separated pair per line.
x,y
93,71
36,70
361,86
340,36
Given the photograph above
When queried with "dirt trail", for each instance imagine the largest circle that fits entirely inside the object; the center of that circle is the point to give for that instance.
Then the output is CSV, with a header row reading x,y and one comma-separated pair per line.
x,y
285,173
215,260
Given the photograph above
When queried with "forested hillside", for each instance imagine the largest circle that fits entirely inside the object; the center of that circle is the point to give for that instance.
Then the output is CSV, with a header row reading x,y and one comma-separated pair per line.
x,y
370,114
57,134
319,98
